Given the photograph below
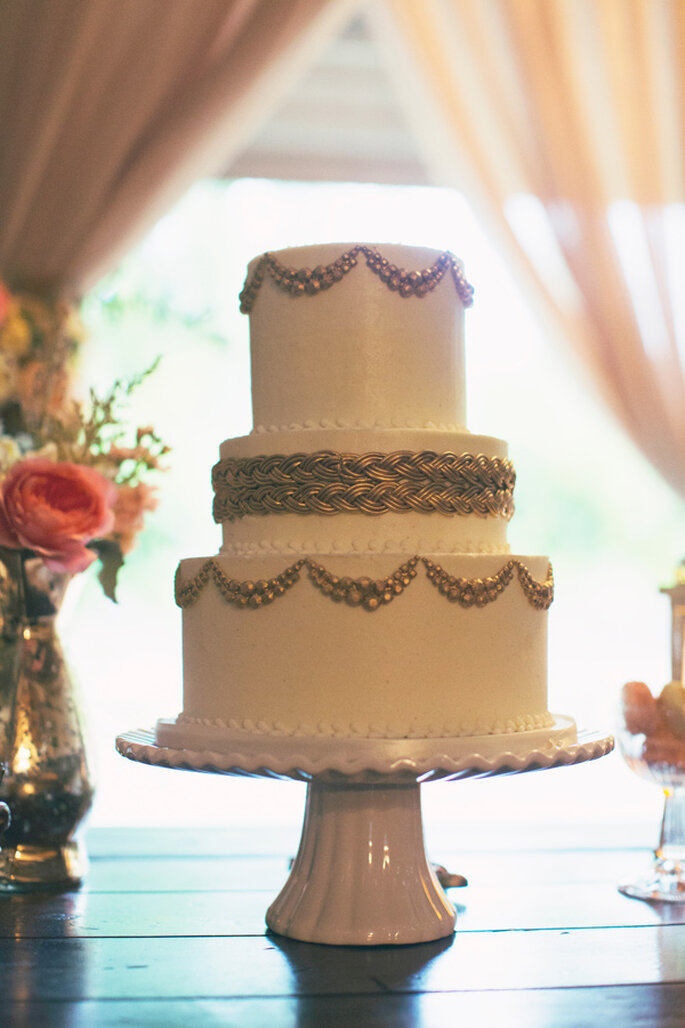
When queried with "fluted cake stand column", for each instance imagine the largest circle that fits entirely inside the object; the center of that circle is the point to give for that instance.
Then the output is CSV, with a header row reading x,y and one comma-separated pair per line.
x,y
361,875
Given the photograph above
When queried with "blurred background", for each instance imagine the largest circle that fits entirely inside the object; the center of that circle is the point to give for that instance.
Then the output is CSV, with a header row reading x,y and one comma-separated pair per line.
x,y
472,127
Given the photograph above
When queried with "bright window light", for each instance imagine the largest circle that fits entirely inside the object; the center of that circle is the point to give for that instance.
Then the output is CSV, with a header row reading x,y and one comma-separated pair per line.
x,y
674,235
613,529
632,250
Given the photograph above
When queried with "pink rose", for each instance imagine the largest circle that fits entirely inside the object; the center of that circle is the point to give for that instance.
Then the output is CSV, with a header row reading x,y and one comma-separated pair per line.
x,y
53,508
5,301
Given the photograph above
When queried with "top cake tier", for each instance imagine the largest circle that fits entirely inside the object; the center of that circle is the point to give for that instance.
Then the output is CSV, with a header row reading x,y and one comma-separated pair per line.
x,y
356,335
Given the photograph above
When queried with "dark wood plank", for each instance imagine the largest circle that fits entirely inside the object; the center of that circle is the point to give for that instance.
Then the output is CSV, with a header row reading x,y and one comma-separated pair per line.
x,y
653,1006
172,870
133,915
545,866
75,969
556,907
198,874
88,914
122,968
271,841
505,960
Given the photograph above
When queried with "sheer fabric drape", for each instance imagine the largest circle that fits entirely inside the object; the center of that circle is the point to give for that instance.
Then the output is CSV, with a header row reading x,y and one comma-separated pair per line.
x,y
111,108
564,120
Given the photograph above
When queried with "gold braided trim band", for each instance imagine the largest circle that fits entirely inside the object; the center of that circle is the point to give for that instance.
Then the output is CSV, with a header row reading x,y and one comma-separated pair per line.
x,y
326,482
309,282
364,592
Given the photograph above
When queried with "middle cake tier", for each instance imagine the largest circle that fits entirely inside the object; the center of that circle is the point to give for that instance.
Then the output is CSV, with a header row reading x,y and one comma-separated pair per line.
x,y
317,491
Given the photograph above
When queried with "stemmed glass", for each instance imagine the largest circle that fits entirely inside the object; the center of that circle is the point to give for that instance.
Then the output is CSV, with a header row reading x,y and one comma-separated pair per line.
x,y
652,740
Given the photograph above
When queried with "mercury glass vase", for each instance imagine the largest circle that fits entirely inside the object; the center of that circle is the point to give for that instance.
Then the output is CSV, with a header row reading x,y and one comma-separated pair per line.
x,y
4,809
46,785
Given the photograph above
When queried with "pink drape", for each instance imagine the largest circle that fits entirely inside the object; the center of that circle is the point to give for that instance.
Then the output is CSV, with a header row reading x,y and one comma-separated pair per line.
x,y
565,121
109,109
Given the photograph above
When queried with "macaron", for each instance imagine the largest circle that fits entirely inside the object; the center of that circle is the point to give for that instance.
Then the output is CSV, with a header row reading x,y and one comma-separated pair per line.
x,y
640,712
671,702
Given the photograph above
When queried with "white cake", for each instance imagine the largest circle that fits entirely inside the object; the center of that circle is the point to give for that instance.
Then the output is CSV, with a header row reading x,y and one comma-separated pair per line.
x,y
364,587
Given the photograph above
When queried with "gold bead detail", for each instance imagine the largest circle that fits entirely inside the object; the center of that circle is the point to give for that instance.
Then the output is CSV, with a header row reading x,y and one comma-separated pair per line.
x,y
305,281
364,591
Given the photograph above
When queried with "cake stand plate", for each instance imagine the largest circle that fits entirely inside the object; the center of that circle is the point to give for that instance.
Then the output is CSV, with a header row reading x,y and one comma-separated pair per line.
x,y
361,876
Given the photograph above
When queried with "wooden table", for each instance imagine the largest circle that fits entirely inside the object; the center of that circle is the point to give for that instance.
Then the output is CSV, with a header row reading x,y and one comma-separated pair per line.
x,y
169,930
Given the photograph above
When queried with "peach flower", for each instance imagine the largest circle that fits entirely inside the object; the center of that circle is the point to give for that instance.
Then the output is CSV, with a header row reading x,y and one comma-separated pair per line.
x,y
42,389
53,509
130,506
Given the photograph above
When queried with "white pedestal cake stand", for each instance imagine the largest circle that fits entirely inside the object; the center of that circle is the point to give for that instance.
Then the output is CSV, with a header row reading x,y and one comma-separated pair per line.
x,y
361,876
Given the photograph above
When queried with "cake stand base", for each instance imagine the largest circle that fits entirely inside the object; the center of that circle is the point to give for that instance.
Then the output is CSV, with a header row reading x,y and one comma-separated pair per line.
x,y
361,876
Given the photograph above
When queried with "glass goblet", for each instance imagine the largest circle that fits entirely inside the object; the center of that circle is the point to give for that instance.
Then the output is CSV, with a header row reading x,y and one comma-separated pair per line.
x,y
651,738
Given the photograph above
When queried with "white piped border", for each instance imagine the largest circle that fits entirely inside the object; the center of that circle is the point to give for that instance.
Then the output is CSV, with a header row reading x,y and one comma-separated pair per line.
x,y
201,733
266,547
325,424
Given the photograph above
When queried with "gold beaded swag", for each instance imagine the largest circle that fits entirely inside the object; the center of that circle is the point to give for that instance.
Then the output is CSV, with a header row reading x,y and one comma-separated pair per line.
x,y
366,593
310,281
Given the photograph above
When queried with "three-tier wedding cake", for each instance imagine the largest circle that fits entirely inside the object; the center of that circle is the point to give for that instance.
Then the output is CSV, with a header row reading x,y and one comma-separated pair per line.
x,y
364,587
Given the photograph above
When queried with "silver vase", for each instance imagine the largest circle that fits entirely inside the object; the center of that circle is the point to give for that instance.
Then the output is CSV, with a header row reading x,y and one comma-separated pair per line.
x,y
5,816
46,785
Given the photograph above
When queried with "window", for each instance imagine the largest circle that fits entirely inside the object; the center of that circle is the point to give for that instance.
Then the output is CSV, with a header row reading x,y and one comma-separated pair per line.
x,y
584,496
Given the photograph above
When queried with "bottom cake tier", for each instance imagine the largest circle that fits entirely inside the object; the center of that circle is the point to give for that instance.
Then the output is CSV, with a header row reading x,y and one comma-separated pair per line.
x,y
353,646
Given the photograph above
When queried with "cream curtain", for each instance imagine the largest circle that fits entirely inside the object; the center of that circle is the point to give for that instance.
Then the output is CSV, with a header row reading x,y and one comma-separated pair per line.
x,y
111,108
565,121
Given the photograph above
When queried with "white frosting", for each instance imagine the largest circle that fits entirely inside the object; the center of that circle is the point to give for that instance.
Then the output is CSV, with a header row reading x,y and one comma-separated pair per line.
x,y
362,440
357,351
420,666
